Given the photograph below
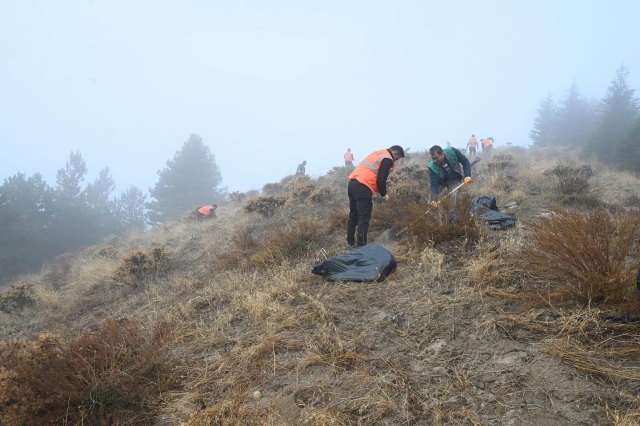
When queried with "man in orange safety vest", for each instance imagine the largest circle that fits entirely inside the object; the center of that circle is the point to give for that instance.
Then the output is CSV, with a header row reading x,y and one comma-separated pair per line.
x,y
207,211
487,145
348,158
369,177
472,145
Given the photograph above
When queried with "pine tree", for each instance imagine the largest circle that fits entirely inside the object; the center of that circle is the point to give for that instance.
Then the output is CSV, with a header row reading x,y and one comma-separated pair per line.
x,y
102,209
70,178
26,215
131,211
74,225
630,145
545,125
575,119
192,178
619,109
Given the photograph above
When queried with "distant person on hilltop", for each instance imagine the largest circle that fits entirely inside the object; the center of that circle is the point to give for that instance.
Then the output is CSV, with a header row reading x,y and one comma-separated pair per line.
x,y
207,212
472,145
348,158
300,171
369,177
487,146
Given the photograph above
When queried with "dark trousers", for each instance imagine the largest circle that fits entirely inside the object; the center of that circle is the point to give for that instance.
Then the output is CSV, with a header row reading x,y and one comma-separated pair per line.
x,y
360,206
348,163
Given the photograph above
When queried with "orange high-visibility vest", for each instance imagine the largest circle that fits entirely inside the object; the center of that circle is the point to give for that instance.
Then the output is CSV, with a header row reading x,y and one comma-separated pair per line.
x,y
367,171
348,156
206,210
473,142
486,142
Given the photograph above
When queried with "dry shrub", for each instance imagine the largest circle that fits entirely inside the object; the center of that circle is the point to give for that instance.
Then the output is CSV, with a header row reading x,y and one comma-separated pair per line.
x,y
501,164
422,226
115,374
300,190
17,298
138,264
246,241
320,195
285,184
409,173
266,206
337,220
232,412
623,418
632,201
107,252
236,197
589,255
58,273
496,266
295,240
571,186
431,261
336,177
273,188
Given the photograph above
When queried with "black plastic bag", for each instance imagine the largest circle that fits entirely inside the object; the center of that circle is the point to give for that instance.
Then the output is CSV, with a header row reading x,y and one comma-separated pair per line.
x,y
486,201
486,208
370,263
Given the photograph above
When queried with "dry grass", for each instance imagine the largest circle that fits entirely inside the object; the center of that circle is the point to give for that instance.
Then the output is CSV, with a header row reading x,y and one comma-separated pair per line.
x,y
424,226
591,255
114,374
243,334
297,239
266,206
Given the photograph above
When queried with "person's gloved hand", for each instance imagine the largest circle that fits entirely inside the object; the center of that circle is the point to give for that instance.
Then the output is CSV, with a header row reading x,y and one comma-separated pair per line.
x,y
384,198
467,180
434,205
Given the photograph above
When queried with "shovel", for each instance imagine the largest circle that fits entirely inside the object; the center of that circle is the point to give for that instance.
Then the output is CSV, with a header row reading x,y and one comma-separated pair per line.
x,y
451,192
428,211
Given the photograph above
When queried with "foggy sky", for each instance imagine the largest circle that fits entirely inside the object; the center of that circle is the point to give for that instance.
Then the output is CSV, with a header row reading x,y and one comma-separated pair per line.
x,y
269,84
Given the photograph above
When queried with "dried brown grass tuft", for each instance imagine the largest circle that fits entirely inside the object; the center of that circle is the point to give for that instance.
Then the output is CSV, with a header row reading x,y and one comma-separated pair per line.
x,y
571,186
323,194
299,190
295,240
592,256
114,374
137,265
424,226
17,298
266,206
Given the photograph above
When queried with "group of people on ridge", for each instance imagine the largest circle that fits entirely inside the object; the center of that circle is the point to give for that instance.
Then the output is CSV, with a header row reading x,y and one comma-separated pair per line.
x,y
485,143
448,168
348,161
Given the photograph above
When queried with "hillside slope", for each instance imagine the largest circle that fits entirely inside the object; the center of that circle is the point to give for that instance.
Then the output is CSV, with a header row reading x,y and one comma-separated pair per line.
x,y
220,322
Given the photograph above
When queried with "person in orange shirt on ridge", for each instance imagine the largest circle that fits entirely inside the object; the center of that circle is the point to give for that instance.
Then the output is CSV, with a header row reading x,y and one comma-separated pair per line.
x,y
472,145
348,158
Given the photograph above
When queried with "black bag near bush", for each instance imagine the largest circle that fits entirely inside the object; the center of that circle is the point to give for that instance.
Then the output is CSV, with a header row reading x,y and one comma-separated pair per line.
x,y
486,208
371,263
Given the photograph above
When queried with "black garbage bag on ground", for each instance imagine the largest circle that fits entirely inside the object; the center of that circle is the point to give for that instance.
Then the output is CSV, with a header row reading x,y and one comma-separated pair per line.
x,y
486,208
370,263
483,203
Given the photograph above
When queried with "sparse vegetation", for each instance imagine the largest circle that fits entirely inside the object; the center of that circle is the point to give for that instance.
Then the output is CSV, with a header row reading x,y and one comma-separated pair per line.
x,y
591,256
266,206
221,323
114,374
